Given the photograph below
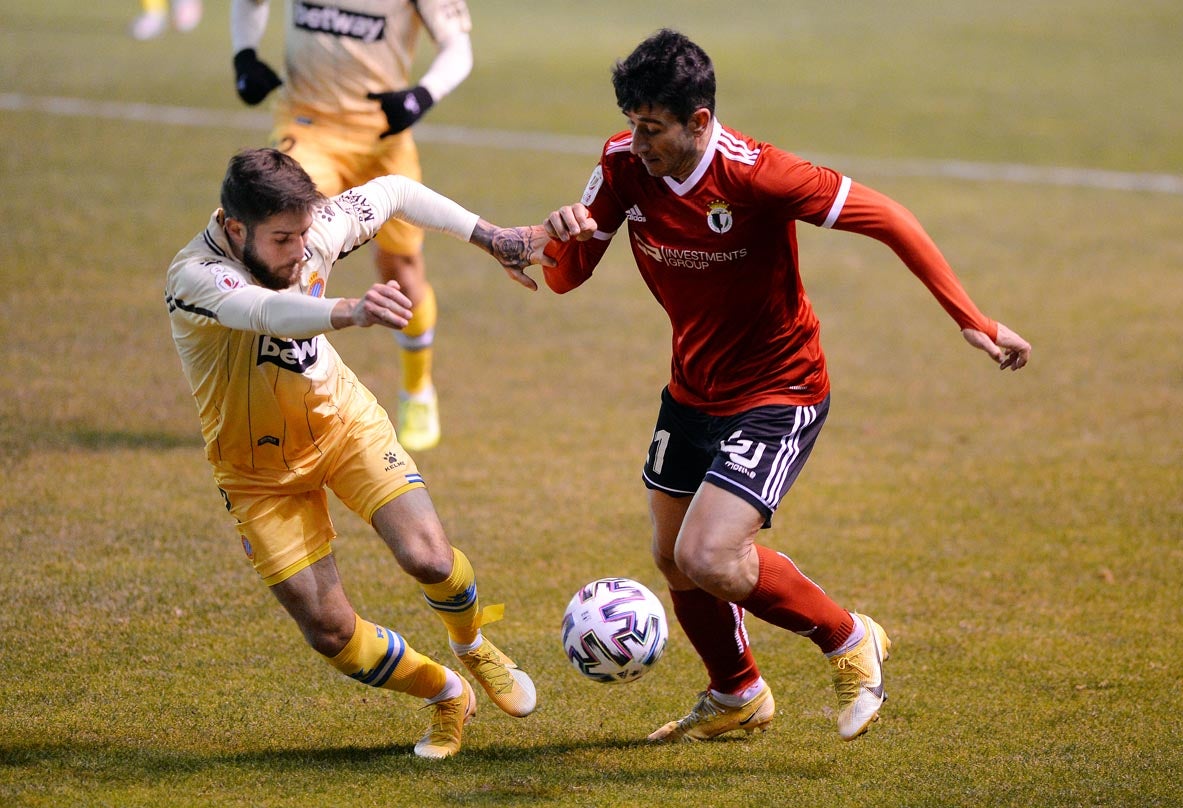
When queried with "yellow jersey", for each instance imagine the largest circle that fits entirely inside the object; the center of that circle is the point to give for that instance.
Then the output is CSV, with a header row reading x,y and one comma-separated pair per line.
x,y
269,387
337,52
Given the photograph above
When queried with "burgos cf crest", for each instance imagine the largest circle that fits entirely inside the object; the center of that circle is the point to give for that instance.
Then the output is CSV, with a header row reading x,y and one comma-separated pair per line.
x,y
719,216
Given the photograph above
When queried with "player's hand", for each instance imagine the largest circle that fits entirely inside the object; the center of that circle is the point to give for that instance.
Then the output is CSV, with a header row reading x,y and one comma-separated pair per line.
x,y
383,304
1009,351
519,247
402,108
570,221
515,248
253,78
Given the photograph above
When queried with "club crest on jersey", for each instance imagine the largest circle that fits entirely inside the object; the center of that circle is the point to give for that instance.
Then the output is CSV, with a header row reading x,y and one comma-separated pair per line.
x,y
296,355
316,285
719,216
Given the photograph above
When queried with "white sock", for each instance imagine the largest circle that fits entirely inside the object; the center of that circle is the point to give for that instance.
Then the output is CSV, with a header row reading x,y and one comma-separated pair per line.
x,y
854,639
457,648
425,395
741,698
452,688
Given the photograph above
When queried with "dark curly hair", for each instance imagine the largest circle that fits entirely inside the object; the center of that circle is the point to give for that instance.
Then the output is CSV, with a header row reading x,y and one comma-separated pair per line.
x,y
666,70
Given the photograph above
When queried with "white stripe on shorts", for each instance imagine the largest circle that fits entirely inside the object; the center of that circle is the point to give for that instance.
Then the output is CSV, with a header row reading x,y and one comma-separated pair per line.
x,y
786,457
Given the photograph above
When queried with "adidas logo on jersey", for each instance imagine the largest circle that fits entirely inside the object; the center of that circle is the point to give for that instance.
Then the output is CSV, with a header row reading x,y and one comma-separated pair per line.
x,y
634,214
296,355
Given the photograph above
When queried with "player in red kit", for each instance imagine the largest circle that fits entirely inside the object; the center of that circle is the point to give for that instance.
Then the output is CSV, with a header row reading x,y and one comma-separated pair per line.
x,y
711,217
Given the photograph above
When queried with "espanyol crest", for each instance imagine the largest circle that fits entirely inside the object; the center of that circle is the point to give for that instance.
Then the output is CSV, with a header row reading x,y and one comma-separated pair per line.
x,y
719,216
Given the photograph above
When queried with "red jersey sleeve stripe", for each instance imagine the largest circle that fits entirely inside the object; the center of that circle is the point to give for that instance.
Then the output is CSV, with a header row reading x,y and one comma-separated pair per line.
x,y
839,203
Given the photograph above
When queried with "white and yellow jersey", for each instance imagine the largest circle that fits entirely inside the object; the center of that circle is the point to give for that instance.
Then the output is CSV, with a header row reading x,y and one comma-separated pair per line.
x,y
340,50
268,385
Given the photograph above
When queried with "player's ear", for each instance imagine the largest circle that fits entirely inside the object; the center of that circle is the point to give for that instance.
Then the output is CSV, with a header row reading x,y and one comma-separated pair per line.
x,y
236,230
700,119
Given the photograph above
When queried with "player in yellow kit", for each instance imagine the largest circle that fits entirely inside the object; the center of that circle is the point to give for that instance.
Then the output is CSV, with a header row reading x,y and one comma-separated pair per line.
x,y
152,21
283,419
345,114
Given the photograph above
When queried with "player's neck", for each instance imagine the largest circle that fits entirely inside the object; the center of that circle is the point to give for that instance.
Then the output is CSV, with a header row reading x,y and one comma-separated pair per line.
x,y
688,164
694,155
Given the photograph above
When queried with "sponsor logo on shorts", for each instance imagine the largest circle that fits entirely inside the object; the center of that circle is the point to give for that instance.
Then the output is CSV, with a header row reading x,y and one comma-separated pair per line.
x,y
742,457
393,461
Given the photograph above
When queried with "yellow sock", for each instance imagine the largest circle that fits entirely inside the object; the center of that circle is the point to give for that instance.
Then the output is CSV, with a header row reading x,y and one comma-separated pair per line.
x,y
416,341
455,601
155,6
379,657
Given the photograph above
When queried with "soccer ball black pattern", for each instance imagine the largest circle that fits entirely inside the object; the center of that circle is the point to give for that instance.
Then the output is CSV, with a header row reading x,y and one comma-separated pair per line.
x,y
614,630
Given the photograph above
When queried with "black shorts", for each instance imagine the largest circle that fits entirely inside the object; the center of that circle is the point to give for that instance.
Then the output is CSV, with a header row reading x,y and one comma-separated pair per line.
x,y
756,454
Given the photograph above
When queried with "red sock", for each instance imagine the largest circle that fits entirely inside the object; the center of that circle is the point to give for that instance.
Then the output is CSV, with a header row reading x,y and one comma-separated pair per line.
x,y
715,629
786,598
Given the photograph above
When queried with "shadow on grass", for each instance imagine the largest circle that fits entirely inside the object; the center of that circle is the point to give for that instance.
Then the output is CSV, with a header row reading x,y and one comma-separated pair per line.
x,y
123,439
40,437
113,763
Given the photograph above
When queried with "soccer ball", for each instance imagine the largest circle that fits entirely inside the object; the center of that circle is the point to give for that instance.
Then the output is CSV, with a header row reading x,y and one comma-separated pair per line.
x,y
614,630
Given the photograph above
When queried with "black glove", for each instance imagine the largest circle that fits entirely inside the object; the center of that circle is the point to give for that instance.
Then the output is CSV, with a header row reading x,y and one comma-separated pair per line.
x,y
402,108
253,79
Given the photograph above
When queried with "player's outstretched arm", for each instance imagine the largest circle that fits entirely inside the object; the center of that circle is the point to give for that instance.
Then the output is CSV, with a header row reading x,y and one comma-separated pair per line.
x,y
515,248
1009,350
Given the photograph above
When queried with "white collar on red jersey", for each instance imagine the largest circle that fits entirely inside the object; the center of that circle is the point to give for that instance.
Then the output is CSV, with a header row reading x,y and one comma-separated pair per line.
x,y
682,188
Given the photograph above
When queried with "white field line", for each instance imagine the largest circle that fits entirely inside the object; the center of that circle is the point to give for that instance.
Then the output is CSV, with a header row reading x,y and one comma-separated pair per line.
x,y
590,146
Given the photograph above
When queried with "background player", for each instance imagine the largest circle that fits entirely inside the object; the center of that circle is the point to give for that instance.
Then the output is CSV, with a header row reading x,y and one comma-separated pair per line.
x,y
283,419
152,21
710,216
345,114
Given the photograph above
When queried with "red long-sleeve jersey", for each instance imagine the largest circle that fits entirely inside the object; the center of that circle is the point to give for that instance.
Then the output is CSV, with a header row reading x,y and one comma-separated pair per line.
x,y
719,252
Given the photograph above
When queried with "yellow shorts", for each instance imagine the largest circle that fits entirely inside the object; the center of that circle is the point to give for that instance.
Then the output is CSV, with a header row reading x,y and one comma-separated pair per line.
x,y
283,515
339,157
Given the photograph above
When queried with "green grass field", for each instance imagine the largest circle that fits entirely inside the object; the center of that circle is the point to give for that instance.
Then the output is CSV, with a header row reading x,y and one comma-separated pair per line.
x,y
1019,535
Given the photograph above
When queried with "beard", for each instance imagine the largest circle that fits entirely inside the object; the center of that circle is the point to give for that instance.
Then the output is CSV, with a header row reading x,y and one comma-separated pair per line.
x,y
269,277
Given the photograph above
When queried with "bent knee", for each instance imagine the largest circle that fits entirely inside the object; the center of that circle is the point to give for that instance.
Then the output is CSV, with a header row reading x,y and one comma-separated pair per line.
x,y
427,563
716,575
328,634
